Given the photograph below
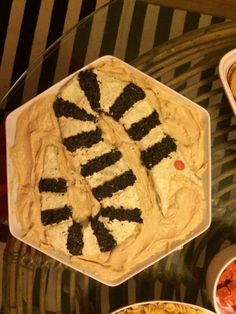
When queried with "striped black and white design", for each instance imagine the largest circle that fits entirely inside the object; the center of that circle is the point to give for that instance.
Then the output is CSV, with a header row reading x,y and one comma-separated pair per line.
x,y
125,29
57,214
181,275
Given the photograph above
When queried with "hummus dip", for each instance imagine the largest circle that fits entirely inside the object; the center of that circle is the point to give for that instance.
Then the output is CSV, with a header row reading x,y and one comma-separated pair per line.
x,y
109,171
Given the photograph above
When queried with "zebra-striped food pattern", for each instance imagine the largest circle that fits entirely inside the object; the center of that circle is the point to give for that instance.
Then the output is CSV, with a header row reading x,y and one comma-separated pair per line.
x,y
54,187
133,108
111,190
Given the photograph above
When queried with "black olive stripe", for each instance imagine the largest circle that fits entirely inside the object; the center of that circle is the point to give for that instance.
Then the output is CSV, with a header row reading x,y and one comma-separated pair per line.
x,y
101,162
122,214
105,239
89,84
118,183
141,128
84,139
67,109
154,154
57,185
56,215
75,241
129,96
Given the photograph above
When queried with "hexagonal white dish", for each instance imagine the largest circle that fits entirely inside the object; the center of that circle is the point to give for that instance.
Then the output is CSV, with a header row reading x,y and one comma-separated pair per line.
x,y
15,227
225,63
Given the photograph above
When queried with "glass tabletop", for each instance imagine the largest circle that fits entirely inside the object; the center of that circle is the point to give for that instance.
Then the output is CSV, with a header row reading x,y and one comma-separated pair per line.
x,y
186,59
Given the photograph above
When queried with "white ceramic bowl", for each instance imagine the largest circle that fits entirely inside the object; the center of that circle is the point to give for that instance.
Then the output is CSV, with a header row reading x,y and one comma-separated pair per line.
x,y
225,63
214,271
180,304
14,225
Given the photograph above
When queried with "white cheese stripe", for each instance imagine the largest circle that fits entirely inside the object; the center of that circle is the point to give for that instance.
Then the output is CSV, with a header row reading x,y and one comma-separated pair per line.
x,y
121,230
91,246
57,235
127,198
50,165
100,177
83,155
153,137
108,83
140,110
70,126
51,200
73,93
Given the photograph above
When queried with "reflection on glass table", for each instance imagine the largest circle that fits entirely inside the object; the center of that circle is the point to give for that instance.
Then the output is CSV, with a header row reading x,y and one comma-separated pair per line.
x,y
188,63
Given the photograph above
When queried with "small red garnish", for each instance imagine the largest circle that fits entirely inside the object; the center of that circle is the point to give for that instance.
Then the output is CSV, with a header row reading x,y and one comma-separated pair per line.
x,y
226,288
179,165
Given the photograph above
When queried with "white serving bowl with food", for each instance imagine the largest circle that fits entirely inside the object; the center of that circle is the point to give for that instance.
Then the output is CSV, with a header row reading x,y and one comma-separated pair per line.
x,y
221,280
227,72
108,171
162,307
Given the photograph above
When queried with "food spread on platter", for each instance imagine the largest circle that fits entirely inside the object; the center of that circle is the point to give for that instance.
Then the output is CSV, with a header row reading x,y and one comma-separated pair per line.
x,y
226,287
162,308
231,77
109,170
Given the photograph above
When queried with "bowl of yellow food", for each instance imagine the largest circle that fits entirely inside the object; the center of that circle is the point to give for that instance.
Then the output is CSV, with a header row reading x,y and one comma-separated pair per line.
x,y
162,307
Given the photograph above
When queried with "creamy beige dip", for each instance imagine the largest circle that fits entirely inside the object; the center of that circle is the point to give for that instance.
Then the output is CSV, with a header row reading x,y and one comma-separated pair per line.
x,y
181,193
